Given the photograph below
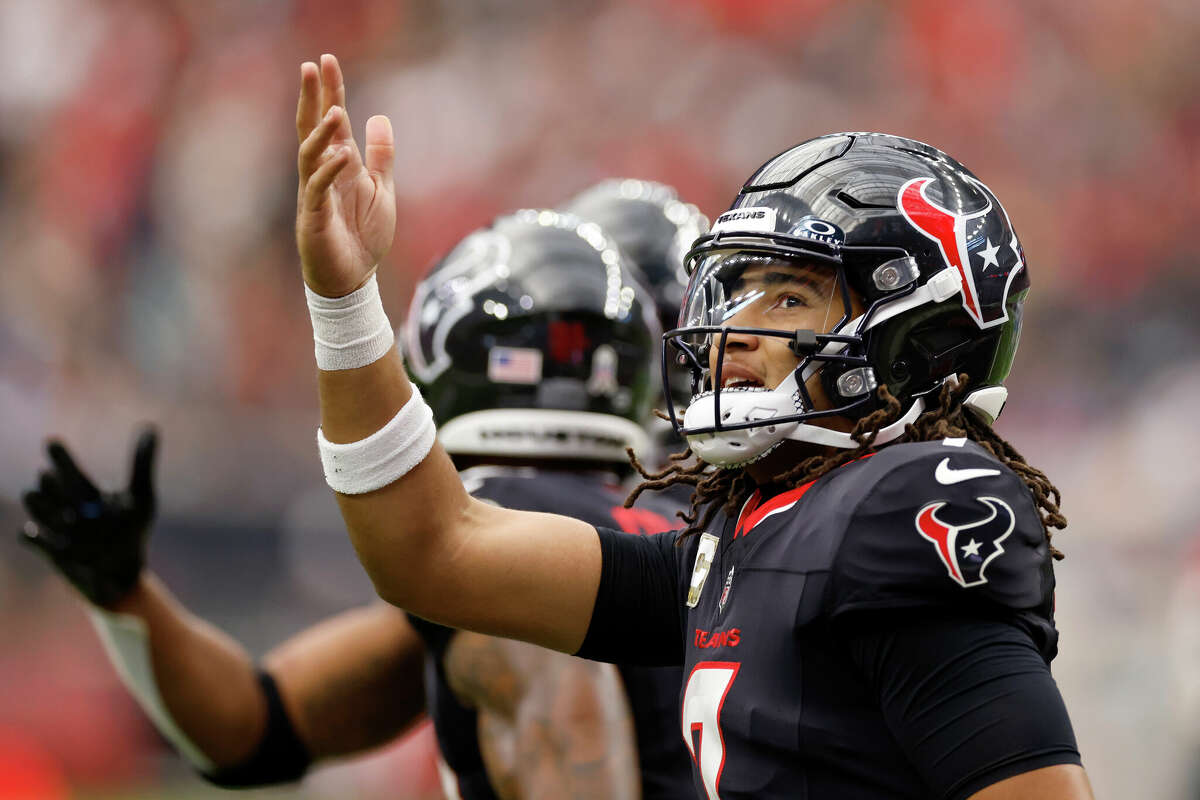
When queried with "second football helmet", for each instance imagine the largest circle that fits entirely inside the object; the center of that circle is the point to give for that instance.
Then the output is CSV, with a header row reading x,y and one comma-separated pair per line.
x,y
652,226
656,229
533,338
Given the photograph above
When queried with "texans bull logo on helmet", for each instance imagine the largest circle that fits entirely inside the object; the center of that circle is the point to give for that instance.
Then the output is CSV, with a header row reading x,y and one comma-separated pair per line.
x,y
979,245
967,549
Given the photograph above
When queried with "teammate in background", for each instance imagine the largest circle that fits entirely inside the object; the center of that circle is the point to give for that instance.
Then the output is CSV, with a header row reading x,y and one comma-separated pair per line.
x,y
343,686
655,228
536,348
652,226
535,342
863,598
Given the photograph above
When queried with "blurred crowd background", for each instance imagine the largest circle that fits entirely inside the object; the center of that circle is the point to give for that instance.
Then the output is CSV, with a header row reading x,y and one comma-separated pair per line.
x,y
148,273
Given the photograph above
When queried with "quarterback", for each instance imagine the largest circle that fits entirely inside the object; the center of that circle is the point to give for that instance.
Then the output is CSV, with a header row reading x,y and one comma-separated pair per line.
x,y
861,597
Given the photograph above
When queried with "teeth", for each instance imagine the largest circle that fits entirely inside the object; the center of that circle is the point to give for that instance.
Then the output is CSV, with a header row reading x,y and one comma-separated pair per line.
x,y
741,383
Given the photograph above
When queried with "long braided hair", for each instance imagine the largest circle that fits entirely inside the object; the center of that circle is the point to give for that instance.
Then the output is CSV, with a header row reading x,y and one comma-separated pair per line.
x,y
728,489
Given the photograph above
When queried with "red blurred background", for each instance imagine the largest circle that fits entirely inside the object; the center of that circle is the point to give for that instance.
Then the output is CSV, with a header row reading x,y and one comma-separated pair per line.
x,y
147,190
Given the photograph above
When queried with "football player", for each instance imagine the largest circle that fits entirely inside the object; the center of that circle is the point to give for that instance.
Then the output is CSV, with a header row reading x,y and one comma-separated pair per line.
x,y
539,385
534,339
652,226
656,229
862,599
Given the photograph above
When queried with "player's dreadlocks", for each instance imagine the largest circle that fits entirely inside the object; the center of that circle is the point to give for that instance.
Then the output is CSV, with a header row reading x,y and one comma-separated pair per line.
x,y
728,489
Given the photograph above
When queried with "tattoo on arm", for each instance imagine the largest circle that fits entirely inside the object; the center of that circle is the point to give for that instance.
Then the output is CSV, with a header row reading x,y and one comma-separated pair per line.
x,y
483,675
559,725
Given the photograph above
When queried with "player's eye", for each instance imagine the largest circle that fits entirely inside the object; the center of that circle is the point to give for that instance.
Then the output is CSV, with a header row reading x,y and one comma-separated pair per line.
x,y
790,300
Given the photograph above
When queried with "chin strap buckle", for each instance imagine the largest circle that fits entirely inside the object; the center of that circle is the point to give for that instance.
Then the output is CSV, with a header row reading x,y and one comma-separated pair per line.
x,y
987,402
944,285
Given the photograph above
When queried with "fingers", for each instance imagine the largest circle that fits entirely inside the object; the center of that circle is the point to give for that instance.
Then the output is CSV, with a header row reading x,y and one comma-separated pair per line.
x,y
44,510
43,539
316,190
322,92
333,93
141,481
49,488
381,150
333,86
308,107
314,147
73,482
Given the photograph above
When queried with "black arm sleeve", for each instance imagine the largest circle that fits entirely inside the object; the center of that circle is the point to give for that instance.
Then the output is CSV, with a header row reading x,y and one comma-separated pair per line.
x,y
280,756
969,700
636,619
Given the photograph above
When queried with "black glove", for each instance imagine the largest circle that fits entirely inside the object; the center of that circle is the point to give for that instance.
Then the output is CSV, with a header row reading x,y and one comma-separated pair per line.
x,y
96,539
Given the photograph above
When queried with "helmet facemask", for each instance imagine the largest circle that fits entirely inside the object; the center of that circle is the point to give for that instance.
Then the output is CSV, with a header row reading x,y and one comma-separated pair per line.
x,y
802,299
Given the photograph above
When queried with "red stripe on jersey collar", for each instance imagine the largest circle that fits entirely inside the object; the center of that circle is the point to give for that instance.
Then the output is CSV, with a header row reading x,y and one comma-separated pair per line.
x,y
753,513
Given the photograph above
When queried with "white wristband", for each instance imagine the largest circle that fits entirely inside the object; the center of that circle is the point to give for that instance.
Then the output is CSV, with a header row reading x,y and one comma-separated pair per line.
x,y
127,642
384,456
351,331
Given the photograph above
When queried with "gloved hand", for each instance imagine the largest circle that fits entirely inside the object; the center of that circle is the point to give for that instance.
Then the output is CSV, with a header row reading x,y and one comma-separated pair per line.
x,y
96,539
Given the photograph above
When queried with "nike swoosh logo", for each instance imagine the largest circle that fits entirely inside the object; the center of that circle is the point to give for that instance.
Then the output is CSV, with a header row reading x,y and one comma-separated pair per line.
x,y
947,475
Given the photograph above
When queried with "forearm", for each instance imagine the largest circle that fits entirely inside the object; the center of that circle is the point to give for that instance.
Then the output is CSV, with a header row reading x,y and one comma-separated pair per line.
x,y
205,680
401,529
432,549
426,545
349,684
352,682
393,539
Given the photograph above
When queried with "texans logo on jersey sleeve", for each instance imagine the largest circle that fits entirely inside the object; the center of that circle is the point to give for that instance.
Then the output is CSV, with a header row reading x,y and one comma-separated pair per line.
x,y
967,549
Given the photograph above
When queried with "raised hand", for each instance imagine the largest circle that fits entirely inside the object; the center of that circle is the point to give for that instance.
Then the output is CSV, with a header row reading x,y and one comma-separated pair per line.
x,y
345,207
96,539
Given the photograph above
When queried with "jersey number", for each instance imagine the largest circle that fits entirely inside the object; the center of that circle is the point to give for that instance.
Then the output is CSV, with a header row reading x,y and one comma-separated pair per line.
x,y
707,687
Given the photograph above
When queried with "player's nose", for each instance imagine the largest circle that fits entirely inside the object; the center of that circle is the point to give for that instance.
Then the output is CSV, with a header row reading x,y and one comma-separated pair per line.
x,y
734,342
740,340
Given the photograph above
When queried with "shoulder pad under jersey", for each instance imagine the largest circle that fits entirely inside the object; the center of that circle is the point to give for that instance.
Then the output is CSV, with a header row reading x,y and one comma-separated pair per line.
x,y
940,523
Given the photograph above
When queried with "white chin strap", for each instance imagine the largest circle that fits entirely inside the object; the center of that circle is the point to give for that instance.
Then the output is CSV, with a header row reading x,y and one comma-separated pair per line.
x,y
743,446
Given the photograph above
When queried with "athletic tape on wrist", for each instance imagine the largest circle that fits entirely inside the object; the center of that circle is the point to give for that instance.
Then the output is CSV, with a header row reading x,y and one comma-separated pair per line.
x,y
127,643
351,331
384,456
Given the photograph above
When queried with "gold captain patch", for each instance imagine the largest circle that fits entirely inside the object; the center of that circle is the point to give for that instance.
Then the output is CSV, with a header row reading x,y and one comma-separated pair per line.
x,y
704,559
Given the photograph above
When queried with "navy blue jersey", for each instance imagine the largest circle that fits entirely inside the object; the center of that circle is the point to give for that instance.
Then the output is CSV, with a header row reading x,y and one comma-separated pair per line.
x,y
652,691
840,639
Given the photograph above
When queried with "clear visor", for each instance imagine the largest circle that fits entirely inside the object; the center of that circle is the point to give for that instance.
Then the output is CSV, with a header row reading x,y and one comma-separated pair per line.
x,y
737,289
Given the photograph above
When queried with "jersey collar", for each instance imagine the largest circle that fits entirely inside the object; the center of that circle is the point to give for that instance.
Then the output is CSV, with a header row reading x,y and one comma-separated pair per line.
x,y
755,510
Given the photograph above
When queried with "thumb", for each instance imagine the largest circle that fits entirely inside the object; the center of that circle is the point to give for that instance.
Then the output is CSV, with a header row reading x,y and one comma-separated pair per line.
x,y
381,150
141,482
